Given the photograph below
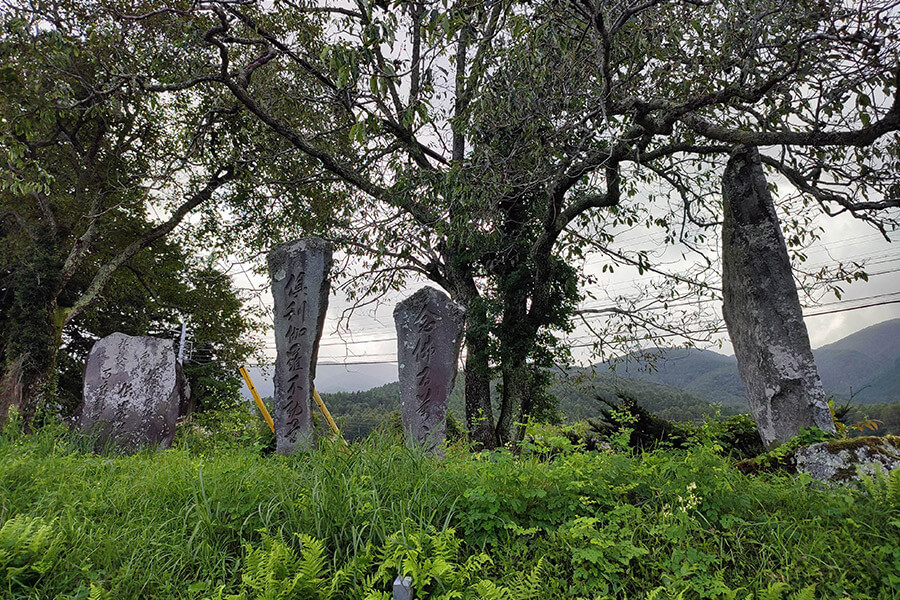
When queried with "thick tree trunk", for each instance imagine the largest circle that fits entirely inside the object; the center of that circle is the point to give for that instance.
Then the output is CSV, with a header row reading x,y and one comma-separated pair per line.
x,y
515,400
34,335
479,413
460,283
28,381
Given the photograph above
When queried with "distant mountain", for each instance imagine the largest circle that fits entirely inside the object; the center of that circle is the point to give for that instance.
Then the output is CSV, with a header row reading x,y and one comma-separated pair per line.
x,y
329,378
865,364
865,358
580,393
881,340
703,373
679,384
885,388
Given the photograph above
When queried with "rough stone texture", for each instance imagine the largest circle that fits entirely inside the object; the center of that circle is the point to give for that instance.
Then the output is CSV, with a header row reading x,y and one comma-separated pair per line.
x,y
846,460
429,335
300,285
131,392
762,309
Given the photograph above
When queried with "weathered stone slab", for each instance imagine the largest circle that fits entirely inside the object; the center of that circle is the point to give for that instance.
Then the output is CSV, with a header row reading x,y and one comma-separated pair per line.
x,y
762,309
300,285
835,461
131,392
429,336
845,460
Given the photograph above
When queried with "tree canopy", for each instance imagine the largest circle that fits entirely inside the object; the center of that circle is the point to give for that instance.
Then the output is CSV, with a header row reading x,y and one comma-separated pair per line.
x,y
490,147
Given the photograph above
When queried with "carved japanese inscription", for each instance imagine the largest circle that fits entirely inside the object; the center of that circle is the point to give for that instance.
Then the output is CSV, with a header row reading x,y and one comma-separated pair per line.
x,y
131,392
429,335
300,285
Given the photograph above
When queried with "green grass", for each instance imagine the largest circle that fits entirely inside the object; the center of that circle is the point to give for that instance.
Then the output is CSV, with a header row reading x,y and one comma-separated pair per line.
x,y
213,520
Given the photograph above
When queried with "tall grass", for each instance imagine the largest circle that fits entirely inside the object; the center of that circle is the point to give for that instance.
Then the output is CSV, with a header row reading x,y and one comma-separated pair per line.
x,y
178,523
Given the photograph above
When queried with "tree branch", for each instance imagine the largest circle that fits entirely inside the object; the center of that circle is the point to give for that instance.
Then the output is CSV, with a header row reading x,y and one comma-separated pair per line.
x,y
859,137
823,196
107,270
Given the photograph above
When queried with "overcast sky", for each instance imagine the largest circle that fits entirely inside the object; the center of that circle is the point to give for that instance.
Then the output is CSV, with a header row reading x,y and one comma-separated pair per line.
x,y
371,335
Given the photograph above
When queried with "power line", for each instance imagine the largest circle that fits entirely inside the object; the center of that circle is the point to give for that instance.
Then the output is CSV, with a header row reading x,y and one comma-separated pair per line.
x,y
707,330
334,364
840,310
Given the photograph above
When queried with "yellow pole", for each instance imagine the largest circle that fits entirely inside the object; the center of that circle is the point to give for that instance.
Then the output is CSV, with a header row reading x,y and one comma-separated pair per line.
x,y
327,414
258,400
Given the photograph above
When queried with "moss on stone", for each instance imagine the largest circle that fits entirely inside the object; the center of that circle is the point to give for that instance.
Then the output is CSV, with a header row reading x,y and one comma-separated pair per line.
x,y
772,462
881,445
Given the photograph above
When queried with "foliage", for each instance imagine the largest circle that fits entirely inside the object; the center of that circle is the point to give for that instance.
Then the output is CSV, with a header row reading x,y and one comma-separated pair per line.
x,y
883,487
29,548
359,413
215,521
96,176
632,426
274,571
887,416
238,426
735,436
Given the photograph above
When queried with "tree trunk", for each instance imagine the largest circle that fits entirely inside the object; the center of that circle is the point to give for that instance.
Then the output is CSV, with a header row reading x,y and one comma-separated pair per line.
x,y
28,381
460,283
479,414
515,400
34,334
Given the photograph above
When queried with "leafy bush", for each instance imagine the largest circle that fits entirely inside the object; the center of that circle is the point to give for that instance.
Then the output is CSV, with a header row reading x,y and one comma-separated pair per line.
x,y
630,425
232,427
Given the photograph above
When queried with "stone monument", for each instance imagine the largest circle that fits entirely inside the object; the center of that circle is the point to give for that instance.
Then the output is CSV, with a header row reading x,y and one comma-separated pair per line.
x,y
132,392
300,285
762,309
429,336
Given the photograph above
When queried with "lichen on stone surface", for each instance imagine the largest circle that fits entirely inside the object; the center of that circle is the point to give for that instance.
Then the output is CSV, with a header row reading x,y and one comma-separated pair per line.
x,y
837,461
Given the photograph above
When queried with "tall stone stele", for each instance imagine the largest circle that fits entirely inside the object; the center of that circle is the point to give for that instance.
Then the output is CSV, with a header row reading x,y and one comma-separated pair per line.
x,y
299,271
429,336
762,309
132,392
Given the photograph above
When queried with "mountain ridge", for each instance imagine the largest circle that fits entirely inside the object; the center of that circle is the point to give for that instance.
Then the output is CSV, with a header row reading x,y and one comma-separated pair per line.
x,y
864,366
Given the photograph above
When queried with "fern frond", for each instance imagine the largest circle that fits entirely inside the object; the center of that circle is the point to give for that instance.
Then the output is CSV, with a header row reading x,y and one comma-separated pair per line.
x,y
807,593
29,547
530,586
311,563
893,488
776,591
488,590
98,593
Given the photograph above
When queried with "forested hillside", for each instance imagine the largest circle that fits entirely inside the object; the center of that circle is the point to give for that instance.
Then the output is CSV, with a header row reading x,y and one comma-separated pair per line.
x,y
864,365
580,393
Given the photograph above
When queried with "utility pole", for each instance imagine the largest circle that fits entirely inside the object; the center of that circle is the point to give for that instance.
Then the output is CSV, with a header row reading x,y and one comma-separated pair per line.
x,y
181,343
